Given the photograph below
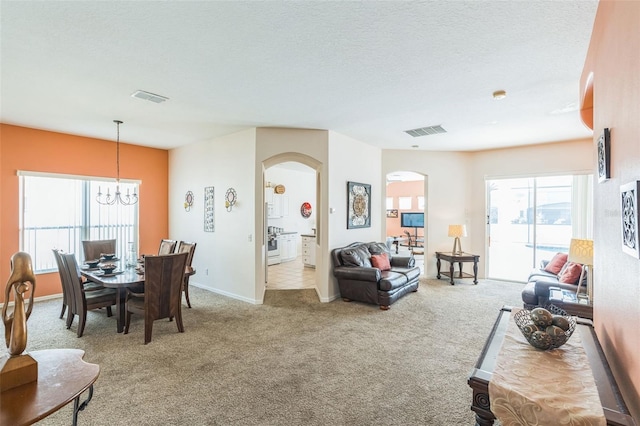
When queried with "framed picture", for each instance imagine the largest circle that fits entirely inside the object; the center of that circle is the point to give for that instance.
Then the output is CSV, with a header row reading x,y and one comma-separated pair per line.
x,y
604,159
392,213
209,224
630,200
359,205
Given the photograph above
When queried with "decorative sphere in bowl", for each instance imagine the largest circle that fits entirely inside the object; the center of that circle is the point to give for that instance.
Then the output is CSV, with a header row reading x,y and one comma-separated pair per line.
x,y
108,256
108,268
545,328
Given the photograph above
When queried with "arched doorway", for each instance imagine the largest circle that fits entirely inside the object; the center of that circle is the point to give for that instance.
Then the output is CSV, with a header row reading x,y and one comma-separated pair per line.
x,y
406,218
290,191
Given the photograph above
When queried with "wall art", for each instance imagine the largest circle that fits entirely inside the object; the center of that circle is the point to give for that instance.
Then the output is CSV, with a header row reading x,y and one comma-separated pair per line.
x,y
392,213
305,210
630,200
604,156
359,205
209,224
188,201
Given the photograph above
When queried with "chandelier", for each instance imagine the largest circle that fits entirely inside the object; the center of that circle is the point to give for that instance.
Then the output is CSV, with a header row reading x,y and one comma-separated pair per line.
x,y
118,197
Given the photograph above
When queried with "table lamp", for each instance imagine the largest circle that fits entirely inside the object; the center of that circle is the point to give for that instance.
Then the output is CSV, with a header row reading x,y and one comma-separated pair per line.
x,y
581,251
457,231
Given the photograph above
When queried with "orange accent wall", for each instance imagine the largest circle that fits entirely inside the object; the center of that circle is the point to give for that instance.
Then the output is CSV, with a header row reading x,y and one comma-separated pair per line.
x,y
23,148
614,62
413,189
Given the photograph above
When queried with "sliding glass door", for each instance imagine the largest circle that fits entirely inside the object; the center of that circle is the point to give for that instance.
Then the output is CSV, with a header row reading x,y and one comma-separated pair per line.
x,y
530,219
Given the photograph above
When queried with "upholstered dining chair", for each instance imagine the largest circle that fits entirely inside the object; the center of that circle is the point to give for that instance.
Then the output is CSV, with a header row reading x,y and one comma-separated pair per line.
x,y
190,248
93,249
167,247
66,293
162,297
82,299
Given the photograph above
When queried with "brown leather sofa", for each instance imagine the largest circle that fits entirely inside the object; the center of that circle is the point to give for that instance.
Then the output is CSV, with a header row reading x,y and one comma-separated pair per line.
x,y
359,280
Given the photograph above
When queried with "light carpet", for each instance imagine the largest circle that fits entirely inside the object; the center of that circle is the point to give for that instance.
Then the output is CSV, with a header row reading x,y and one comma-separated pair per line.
x,y
291,361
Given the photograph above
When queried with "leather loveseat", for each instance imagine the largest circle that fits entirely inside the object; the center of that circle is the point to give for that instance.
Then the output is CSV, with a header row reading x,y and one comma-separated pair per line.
x,y
536,291
360,280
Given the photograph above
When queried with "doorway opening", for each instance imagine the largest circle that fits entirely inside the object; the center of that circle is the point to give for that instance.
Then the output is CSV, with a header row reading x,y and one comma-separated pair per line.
x,y
290,195
406,215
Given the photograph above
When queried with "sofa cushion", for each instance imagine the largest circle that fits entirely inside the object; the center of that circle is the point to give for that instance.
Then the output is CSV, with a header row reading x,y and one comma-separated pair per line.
x,y
356,256
381,261
556,264
412,273
391,280
571,273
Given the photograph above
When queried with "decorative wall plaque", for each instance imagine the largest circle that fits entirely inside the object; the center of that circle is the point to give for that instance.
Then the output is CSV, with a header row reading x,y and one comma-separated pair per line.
x,y
359,205
209,224
630,200
604,160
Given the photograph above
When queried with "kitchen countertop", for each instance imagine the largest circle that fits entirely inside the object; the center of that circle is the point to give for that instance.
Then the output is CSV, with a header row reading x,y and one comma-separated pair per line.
x,y
308,235
287,232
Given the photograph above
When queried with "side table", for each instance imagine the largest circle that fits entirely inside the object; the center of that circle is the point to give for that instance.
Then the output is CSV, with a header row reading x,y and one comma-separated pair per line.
x,y
568,301
62,377
459,259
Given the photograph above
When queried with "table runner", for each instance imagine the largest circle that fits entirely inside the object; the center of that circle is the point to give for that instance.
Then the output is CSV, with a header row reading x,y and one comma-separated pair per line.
x,y
534,387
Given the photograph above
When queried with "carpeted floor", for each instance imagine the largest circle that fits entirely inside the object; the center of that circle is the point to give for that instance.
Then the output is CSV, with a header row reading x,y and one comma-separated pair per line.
x,y
291,361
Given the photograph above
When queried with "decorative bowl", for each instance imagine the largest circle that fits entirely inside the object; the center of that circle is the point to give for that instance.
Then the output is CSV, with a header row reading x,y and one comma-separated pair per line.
x,y
108,268
108,256
545,328
92,263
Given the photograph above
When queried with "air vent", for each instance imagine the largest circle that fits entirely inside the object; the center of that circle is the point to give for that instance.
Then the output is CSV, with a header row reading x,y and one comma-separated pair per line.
x,y
141,94
425,131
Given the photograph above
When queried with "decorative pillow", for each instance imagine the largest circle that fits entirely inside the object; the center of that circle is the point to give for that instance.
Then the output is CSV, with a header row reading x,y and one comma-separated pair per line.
x,y
571,274
381,261
556,264
351,258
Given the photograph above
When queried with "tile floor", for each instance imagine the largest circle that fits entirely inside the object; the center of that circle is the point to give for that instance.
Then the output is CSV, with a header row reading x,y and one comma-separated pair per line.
x,y
291,275
294,276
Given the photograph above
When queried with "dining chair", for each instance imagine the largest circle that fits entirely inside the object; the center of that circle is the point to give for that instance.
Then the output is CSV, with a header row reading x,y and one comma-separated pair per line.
x,y
93,249
167,247
186,247
82,299
66,293
162,297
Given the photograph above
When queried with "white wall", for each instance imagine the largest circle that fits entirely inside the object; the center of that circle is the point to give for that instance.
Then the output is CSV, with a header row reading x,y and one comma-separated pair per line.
x,y
351,160
226,253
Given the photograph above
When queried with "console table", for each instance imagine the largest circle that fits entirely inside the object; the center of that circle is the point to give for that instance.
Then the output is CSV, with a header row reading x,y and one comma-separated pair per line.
x,y
613,405
459,259
62,377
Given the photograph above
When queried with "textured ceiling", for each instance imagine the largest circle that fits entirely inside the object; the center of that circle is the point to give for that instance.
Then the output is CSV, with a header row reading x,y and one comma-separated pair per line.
x,y
368,69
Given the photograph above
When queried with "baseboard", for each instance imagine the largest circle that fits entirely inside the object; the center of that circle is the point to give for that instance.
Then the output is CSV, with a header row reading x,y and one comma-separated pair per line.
x,y
227,294
38,299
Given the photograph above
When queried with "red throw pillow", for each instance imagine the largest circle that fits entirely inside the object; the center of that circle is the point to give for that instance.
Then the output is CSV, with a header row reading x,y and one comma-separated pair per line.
x,y
571,274
381,261
556,264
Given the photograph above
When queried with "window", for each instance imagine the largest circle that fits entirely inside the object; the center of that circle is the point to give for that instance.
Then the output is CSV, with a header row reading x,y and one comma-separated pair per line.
x,y
420,202
404,203
389,203
58,211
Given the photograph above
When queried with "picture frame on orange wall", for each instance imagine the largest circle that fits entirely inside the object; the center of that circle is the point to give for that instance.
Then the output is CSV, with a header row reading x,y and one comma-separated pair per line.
x,y
604,156
630,202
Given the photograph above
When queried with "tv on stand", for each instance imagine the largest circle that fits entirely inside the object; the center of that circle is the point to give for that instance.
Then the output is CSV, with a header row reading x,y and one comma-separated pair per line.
x,y
413,220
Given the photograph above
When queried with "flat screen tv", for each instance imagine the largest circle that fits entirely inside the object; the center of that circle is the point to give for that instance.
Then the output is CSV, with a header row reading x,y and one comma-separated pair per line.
x,y
412,220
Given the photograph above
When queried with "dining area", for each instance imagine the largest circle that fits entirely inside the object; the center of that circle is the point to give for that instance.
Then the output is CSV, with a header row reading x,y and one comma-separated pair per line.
x,y
150,286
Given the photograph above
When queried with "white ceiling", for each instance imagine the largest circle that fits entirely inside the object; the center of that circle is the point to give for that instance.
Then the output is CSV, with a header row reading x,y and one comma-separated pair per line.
x,y
365,69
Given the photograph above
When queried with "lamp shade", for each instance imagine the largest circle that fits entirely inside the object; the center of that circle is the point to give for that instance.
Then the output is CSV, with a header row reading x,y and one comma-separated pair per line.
x,y
581,251
457,230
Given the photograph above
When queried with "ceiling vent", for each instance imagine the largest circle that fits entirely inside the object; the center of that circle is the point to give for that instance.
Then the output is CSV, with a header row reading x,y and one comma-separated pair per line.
x,y
141,94
425,131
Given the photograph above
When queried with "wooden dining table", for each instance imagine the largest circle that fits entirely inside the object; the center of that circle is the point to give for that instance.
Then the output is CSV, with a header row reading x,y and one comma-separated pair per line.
x,y
122,278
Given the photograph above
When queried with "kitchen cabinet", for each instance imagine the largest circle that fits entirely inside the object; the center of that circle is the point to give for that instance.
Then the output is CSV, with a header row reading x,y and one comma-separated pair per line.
x,y
309,250
288,246
277,205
